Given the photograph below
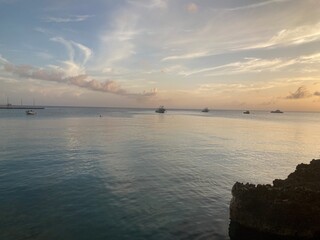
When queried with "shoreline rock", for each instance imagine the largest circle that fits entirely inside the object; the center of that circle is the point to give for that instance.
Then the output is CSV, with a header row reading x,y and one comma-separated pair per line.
x,y
288,209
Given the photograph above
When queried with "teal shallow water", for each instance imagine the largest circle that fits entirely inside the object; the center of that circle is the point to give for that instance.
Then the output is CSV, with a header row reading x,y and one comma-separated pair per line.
x,y
66,173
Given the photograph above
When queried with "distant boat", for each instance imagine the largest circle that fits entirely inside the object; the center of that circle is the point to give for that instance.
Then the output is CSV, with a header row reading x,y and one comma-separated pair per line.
x,y
30,112
205,110
161,109
276,111
246,112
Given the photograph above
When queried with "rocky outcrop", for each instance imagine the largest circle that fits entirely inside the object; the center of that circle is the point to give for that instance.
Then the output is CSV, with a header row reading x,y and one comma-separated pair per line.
x,y
289,208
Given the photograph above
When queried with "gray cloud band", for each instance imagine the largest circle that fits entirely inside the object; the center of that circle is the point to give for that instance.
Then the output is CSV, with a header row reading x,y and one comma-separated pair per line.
x,y
301,92
82,81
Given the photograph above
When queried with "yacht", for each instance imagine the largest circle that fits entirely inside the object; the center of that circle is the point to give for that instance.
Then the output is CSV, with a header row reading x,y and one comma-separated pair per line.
x,y
161,109
276,111
246,112
205,110
30,112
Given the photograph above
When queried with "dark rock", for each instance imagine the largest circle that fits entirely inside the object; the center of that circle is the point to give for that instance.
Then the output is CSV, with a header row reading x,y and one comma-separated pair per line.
x,y
290,209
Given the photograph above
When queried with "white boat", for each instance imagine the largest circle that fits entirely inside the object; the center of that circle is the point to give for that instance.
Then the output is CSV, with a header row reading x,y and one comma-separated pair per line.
x,y
246,112
30,112
276,111
161,109
205,110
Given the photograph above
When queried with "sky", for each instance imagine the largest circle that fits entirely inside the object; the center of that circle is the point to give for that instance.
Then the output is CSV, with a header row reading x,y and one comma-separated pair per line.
x,y
221,54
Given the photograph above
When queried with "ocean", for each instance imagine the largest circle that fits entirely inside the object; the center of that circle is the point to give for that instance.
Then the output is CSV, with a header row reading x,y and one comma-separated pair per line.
x,y
67,173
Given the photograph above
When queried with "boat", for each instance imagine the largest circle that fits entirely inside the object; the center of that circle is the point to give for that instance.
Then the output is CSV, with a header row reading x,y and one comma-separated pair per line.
x,y
161,109
30,112
205,110
246,112
276,111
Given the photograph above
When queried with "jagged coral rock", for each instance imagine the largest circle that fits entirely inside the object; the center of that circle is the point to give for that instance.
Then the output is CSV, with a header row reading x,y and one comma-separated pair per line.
x,y
289,208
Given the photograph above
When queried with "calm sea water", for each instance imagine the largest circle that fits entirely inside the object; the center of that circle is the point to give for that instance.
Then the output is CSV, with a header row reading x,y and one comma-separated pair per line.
x,y
67,173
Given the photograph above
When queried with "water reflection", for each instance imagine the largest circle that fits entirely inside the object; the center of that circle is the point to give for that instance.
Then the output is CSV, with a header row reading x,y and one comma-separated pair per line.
x,y
136,174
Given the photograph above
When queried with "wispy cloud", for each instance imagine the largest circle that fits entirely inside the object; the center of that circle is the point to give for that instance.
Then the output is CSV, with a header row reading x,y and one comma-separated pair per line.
x,y
150,4
187,56
87,52
256,5
233,87
76,18
3,60
41,30
294,36
301,92
250,65
67,44
117,44
74,66
312,58
246,66
285,37
317,93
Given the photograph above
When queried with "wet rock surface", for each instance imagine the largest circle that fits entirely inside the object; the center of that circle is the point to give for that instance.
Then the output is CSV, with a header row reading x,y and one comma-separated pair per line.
x,y
288,209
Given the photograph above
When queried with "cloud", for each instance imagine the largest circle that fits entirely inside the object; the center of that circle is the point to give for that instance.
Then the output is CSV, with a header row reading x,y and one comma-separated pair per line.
x,y
83,81
67,44
76,18
3,60
301,92
87,53
239,87
150,4
118,43
317,93
295,36
312,58
27,71
231,40
211,33
187,56
283,38
78,55
256,5
158,4
43,31
246,66
251,65
92,84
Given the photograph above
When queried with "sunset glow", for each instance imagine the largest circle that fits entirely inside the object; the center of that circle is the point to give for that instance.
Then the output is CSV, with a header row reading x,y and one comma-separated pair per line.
x,y
248,54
